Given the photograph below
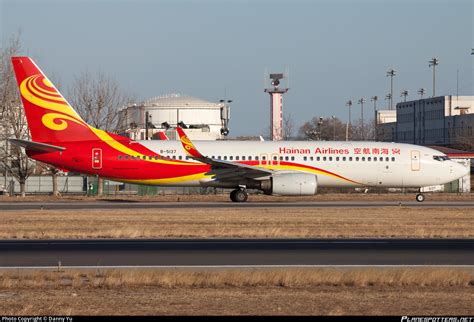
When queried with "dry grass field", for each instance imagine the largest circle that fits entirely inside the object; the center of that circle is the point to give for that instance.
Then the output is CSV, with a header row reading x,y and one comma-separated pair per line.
x,y
419,291
389,222
311,291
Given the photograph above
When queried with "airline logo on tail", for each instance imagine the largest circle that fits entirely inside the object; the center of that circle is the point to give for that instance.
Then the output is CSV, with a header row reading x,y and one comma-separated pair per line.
x,y
39,91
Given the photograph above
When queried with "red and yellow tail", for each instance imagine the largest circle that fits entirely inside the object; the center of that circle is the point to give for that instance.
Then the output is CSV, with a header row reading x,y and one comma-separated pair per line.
x,y
50,117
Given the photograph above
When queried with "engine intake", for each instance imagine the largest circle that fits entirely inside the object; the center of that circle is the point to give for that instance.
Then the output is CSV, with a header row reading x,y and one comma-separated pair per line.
x,y
291,184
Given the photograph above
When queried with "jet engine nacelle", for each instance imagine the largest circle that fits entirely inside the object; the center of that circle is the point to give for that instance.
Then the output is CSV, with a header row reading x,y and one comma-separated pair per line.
x,y
291,184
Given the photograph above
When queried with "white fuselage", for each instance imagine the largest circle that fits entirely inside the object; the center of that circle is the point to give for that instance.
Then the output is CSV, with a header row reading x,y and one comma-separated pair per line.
x,y
336,164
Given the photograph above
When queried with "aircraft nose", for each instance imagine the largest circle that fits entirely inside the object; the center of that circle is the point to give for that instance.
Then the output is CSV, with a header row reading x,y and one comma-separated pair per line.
x,y
458,170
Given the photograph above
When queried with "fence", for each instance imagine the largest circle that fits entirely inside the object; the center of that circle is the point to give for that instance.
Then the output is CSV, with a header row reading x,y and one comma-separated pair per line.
x,y
44,184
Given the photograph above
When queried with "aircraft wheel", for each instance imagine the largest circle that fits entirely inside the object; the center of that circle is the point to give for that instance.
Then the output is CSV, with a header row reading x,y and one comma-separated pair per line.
x,y
420,197
232,195
239,195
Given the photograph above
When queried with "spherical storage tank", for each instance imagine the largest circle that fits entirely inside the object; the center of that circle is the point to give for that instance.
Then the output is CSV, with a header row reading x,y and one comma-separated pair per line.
x,y
204,119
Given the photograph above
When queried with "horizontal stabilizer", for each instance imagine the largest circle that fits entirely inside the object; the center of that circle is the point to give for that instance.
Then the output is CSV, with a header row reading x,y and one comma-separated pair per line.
x,y
36,147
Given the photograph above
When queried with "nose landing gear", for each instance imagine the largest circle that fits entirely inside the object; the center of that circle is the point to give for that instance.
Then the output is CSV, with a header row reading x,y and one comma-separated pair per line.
x,y
239,195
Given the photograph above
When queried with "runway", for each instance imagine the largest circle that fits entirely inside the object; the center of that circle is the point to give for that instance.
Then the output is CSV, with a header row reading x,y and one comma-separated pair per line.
x,y
127,204
236,252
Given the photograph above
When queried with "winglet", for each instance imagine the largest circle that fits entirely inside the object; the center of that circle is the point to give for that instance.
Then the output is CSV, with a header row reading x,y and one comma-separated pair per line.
x,y
163,136
188,145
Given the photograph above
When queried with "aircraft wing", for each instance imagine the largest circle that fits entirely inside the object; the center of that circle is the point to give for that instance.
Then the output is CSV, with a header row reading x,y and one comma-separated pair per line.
x,y
225,170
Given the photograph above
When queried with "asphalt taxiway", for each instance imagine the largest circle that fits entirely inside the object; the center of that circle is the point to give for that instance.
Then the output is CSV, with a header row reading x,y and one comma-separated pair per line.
x,y
236,252
127,204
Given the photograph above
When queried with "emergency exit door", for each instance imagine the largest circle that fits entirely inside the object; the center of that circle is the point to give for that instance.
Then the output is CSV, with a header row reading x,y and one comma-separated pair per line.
x,y
415,160
96,158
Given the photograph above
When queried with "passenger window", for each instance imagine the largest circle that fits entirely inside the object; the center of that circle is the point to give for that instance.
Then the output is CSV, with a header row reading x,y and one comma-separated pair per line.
x,y
393,158
287,158
180,157
311,158
337,158
381,159
281,158
219,157
350,158
120,157
225,157
324,158
237,158
275,158
231,158
132,157
318,158
357,158
243,158
150,157
292,158
138,157
264,158
387,159
250,158
330,158
343,158
156,157
369,159
305,158
363,158
126,157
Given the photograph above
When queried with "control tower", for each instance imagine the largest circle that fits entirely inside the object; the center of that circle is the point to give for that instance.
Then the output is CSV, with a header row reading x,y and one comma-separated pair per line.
x,y
276,106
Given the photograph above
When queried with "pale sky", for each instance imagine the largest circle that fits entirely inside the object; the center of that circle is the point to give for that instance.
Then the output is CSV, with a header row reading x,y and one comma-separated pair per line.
x,y
335,50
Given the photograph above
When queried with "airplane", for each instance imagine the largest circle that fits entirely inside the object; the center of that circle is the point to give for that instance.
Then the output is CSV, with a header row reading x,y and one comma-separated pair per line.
x,y
60,137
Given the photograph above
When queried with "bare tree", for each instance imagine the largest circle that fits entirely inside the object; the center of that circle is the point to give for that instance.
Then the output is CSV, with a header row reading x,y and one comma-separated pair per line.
x,y
288,127
98,98
13,121
363,133
325,129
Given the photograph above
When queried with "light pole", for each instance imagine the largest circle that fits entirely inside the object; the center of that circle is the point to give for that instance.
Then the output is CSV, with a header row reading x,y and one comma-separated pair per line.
x,y
320,123
361,101
433,63
348,124
404,94
421,92
391,73
375,99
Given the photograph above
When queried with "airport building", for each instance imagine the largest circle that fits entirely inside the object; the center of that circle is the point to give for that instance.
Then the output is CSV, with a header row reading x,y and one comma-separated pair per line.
x,y
204,120
442,121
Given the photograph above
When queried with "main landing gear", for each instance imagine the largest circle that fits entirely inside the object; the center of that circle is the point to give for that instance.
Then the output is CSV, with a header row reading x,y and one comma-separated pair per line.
x,y
239,195
420,197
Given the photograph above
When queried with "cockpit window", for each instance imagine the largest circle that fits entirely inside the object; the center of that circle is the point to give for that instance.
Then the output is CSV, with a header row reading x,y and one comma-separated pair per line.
x,y
440,157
